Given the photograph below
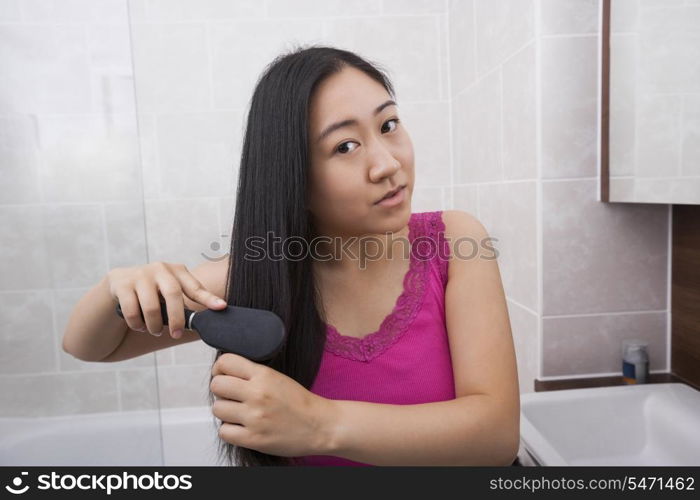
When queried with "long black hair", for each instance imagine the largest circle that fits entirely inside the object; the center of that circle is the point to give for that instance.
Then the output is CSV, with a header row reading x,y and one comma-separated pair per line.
x,y
271,197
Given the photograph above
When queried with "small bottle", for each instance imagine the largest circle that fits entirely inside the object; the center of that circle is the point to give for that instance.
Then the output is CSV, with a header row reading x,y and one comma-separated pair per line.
x,y
635,361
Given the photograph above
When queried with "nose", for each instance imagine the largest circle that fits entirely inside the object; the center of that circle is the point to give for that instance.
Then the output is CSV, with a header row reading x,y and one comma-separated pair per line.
x,y
382,162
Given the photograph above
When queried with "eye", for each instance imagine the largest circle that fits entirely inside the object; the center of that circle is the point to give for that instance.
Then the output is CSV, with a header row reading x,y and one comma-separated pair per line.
x,y
395,125
342,145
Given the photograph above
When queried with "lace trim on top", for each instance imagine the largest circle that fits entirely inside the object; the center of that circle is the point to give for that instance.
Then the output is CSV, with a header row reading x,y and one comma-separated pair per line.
x,y
437,227
407,305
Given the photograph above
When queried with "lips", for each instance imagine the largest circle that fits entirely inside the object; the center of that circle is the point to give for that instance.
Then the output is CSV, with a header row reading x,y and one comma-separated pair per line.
x,y
391,193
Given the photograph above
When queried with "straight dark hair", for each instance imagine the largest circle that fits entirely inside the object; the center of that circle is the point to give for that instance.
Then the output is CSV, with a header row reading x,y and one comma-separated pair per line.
x,y
271,197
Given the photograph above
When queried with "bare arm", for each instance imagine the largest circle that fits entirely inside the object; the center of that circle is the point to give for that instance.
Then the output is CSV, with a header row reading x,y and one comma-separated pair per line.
x,y
95,332
470,430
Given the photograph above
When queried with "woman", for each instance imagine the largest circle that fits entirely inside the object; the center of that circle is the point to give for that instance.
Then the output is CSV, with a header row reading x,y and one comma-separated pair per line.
x,y
393,357
435,382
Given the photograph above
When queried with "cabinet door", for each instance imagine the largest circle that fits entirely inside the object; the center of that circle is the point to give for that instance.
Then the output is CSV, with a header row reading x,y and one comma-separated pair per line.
x,y
650,102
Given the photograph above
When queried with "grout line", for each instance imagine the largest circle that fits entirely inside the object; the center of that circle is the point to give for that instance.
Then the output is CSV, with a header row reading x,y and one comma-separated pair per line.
x,y
495,68
144,368
56,340
681,135
439,56
450,128
588,375
210,65
522,306
105,203
669,287
538,188
612,313
476,52
501,142
571,35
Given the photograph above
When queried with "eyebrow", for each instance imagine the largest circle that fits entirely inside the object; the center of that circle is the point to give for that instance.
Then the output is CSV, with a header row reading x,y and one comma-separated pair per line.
x,y
346,123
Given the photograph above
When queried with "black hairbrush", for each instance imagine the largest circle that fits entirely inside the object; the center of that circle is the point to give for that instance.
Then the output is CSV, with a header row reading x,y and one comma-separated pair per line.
x,y
256,334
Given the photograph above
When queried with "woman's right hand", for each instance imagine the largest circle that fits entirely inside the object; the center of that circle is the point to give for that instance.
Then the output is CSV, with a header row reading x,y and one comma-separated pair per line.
x,y
137,289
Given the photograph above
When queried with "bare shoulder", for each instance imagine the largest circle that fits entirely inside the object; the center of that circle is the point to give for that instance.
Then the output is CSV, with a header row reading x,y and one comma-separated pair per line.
x,y
467,238
460,223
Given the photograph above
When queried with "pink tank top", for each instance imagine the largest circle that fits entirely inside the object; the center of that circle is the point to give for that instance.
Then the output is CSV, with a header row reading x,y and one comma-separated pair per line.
x,y
407,361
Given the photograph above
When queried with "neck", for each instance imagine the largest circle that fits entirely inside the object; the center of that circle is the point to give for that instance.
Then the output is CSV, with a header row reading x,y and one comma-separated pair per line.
x,y
367,254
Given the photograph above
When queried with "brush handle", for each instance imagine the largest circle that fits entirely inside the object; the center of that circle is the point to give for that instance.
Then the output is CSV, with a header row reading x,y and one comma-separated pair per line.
x,y
189,315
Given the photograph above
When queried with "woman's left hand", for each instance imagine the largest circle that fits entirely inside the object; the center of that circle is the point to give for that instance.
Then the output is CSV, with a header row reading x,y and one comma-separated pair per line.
x,y
265,410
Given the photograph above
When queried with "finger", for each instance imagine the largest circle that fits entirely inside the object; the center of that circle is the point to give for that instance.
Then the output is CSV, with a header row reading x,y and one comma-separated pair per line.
x,y
228,411
235,434
172,293
233,364
150,305
129,303
228,387
194,289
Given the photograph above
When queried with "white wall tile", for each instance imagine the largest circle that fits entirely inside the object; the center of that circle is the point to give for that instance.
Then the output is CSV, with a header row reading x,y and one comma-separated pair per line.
x,y
601,257
27,333
76,244
561,17
74,11
413,7
138,389
691,135
476,125
10,11
501,29
19,160
237,64
24,251
509,214
593,344
89,158
181,230
198,153
428,126
31,56
126,234
466,198
569,107
411,61
171,67
181,386
519,116
524,329
328,8
427,199
53,394
202,10
462,44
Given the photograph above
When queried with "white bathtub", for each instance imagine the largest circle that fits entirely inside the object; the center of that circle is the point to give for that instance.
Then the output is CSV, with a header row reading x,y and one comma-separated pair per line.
x,y
189,437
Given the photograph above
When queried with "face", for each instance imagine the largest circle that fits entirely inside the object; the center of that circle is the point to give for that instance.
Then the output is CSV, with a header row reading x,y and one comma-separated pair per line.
x,y
355,165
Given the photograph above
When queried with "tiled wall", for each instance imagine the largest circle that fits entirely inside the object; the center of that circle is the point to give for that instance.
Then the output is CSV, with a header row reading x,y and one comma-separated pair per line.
x,y
494,123
579,275
499,98
130,155
70,203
